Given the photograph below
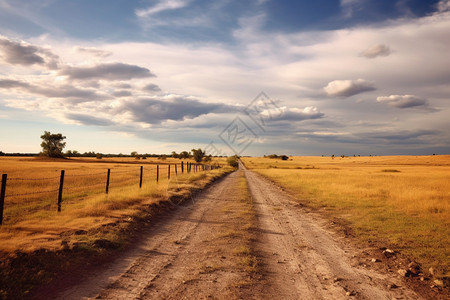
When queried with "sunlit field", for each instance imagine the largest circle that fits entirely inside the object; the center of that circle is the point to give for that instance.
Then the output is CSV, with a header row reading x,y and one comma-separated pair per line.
x,y
31,220
398,201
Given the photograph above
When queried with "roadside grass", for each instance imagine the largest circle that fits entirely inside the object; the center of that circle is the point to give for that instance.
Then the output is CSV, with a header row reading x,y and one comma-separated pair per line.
x,y
401,202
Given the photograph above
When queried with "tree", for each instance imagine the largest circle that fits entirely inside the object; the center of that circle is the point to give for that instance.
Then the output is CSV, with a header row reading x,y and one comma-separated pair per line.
x,y
233,161
198,154
184,154
52,144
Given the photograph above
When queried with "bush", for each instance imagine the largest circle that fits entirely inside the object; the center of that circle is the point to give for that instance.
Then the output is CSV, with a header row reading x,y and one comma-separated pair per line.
x,y
233,161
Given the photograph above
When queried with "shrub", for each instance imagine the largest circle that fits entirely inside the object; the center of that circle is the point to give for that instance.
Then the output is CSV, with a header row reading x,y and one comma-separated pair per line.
x,y
233,161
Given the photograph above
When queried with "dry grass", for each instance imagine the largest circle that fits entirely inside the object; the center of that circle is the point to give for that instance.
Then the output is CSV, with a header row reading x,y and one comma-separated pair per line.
x,y
32,222
402,201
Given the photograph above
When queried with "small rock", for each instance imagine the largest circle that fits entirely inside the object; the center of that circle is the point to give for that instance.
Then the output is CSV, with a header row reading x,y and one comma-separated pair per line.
x,y
374,260
431,270
352,293
392,286
404,273
438,282
422,278
388,253
414,268
336,279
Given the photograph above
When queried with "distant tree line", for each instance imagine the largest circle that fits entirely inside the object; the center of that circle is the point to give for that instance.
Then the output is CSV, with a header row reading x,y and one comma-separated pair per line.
x,y
275,156
53,146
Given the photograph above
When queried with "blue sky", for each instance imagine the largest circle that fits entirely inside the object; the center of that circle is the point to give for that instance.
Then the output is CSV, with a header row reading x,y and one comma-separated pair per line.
x,y
339,77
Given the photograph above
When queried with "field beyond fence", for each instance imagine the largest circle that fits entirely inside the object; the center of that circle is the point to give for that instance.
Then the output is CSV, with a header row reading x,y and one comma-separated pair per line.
x,y
40,195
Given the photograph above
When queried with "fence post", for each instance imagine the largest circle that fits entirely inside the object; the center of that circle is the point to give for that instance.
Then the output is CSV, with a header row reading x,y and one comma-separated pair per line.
x,y
176,172
157,173
168,172
140,179
182,168
108,175
2,196
61,184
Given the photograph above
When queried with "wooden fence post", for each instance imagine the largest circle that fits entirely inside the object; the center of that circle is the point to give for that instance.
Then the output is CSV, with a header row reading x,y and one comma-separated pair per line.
x,y
108,175
168,172
2,196
182,168
157,173
61,184
176,172
140,179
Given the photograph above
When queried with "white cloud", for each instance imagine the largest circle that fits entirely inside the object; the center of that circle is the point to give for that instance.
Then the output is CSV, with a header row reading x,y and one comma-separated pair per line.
x,y
347,88
162,5
377,50
292,114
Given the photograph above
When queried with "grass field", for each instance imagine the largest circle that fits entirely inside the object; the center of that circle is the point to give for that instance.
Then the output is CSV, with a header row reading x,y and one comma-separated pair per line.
x,y
31,220
402,202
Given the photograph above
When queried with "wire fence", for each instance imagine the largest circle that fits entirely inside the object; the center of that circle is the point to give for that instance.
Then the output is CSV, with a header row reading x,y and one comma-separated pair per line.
x,y
87,182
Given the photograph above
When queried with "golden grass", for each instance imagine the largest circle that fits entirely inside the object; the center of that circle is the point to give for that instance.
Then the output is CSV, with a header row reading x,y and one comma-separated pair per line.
x,y
402,201
32,222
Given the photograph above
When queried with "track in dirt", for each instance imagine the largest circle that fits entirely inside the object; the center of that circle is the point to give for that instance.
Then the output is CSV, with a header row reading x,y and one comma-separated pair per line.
x,y
194,253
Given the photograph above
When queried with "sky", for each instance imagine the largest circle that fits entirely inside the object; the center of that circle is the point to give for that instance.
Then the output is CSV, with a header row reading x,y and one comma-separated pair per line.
x,y
248,77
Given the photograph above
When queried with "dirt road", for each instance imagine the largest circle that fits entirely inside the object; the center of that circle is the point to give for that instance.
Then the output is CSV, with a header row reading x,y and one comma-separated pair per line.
x,y
234,242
